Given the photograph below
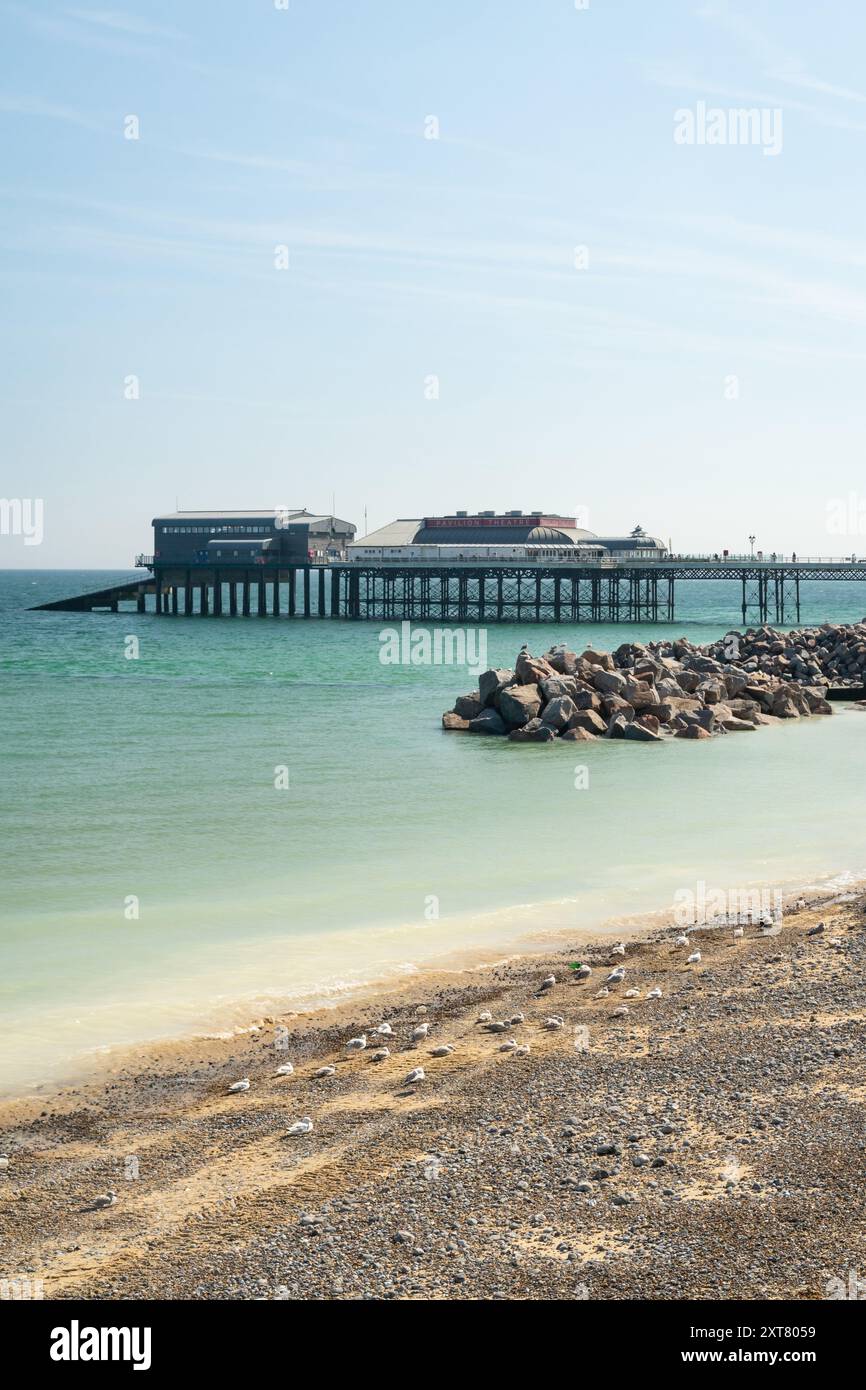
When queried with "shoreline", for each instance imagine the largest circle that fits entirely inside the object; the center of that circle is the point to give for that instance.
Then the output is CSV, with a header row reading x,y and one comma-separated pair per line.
x,y
96,1065
727,1107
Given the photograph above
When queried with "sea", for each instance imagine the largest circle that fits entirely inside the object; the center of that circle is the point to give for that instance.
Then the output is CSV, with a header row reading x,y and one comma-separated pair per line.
x,y
210,820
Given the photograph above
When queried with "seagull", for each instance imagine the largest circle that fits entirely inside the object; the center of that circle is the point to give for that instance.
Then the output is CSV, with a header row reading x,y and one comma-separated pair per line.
x,y
694,958
285,1070
655,993
420,1033
548,982
325,1071
356,1044
583,972
522,1050
801,903
415,1075
385,1029
485,1016
553,1023
516,1018
816,931
621,1011
616,976
618,950
496,1027
681,941
105,1199
4,1160
510,1046
380,1055
444,1051
237,1086
602,993
303,1126
632,994
738,931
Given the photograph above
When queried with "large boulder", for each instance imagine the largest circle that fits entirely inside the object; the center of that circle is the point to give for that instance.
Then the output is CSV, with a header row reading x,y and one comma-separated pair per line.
x,y
609,682
532,670
562,660
640,694
689,681
594,658
617,726
692,731
585,697
533,731
615,704
640,732
453,721
489,721
559,712
518,704
491,682
467,706
555,686
588,719
784,706
577,736
738,726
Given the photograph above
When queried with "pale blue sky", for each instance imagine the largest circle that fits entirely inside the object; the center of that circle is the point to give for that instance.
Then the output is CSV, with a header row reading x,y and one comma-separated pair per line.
x,y
604,387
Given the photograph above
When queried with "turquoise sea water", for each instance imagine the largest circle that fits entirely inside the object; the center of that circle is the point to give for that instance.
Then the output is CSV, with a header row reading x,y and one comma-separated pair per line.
x,y
153,779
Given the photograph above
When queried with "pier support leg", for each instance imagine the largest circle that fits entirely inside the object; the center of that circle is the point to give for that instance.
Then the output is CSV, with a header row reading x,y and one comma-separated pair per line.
x,y
203,603
245,599
293,578
158,608
321,593
174,600
335,593
275,607
217,595
141,602
263,598
187,595
233,598
306,591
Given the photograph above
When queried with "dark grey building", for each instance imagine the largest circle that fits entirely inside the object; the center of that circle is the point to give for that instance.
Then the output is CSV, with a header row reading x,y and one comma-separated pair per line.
x,y
228,538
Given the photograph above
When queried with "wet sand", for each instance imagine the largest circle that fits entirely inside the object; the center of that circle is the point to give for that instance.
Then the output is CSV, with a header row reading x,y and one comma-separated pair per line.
x,y
707,1144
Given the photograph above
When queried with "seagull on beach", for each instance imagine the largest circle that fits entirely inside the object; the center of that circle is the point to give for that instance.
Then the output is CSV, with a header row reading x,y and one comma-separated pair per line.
x,y
681,940
583,972
620,1012
632,994
380,1054
616,976
618,950
655,993
694,958
325,1071
237,1086
522,1050
356,1044
497,1027
516,1018
510,1046
485,1016
303,1126
554,1022
419,1034
548,982
384,1029
602,993
444,1050
285,1070
416,1074
105,1199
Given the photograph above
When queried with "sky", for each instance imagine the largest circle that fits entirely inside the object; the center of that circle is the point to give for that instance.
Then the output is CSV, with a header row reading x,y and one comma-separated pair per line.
x,y
396,258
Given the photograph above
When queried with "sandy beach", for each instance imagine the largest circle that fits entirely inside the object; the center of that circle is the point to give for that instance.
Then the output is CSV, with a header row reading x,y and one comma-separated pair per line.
x,y
706,1144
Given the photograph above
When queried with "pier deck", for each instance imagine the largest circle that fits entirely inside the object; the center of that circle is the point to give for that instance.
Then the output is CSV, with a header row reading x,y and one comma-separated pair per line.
x,y
467,592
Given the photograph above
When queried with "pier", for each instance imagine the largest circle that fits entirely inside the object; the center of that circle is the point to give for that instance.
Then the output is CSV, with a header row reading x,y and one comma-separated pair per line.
x,y
468,592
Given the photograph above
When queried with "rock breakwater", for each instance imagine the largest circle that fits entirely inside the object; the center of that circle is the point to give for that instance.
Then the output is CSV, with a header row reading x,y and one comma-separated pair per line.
x,y
645,692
